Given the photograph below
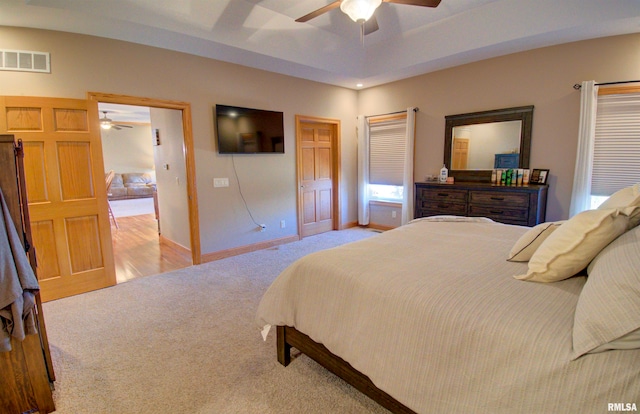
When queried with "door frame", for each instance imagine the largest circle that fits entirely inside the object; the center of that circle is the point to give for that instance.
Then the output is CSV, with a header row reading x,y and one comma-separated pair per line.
x,y
335,165
189,155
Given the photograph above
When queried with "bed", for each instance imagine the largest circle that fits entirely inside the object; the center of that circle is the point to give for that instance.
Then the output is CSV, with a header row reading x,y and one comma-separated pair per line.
x,y
429,317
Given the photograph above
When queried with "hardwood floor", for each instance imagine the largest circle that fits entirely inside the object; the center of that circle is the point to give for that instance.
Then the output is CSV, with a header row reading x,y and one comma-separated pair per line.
x,y
138,251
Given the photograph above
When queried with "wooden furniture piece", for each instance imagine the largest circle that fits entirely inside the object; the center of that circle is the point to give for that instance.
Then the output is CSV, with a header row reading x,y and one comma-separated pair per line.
x,y
289,337
522,205
524,114
108,182
412,309
26,373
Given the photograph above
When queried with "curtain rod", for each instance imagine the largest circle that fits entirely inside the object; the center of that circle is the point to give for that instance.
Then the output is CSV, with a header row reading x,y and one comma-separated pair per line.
x,y
392,113
579,86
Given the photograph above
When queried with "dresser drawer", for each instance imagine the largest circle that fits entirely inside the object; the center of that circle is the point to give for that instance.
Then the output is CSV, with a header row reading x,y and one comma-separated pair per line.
x,y
443,194
524,205
497,198
436,208
502,214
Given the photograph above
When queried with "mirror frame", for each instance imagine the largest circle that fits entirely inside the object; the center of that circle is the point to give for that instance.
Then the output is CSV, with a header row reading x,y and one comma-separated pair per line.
x,y
520,113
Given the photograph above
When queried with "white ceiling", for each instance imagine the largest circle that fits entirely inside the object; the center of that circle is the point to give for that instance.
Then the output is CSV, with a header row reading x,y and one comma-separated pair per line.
x,y
263,33
125,113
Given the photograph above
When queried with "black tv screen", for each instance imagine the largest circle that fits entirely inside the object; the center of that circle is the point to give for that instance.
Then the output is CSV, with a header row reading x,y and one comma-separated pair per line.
x,y
248,131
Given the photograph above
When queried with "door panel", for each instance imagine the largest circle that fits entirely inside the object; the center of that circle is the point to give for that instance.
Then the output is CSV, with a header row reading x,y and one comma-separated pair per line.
x,y
316,141
460,154
44,237
34,165
66,191
324,202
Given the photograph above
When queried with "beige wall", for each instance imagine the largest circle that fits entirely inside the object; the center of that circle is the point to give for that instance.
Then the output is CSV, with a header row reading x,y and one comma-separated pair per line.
x,y
543,78
81,64
128,150
171,175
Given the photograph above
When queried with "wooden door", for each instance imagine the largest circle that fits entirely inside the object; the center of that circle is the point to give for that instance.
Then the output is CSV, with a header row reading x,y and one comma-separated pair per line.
x,y
460,154
66,191
316,172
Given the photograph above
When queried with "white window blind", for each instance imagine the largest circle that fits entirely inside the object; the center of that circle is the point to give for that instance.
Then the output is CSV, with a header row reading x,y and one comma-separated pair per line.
x,y
616,156
387,151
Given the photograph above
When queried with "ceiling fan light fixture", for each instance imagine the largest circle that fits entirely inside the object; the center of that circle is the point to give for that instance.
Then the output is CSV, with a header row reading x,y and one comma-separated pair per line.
x,y
105,124
359,10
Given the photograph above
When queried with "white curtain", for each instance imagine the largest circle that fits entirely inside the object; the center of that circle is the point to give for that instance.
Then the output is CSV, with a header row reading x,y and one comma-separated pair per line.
x,y
362,132
407,202
581,193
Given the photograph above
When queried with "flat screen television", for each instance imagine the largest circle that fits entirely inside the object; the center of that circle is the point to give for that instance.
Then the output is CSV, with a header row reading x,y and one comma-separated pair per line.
x,y
248,131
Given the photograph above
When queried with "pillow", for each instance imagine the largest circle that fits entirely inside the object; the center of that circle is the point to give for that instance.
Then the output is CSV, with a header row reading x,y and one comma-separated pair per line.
x,y
529,242
627,197
570,248
608,310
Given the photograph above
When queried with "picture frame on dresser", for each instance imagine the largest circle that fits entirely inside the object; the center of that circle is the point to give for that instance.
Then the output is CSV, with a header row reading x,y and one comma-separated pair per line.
x,y
539,176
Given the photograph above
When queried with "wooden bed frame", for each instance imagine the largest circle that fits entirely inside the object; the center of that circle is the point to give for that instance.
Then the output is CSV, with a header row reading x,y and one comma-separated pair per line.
x,y
288,337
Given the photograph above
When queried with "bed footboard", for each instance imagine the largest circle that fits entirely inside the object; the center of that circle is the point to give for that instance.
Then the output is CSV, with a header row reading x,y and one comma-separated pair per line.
x,y
288,337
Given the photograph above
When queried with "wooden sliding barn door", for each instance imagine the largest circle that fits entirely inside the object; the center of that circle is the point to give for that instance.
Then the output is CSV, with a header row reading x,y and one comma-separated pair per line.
x,y
66,191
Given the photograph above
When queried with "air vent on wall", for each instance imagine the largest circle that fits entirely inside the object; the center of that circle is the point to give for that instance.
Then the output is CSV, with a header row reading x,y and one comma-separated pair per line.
x,y
25,61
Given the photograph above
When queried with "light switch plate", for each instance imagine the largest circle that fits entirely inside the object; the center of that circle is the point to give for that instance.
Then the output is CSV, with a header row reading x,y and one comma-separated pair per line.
x,y
221,182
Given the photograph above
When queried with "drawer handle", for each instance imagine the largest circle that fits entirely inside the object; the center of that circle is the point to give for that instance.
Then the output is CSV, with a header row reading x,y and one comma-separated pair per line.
x,y
498,198
443,194
443,206
496,212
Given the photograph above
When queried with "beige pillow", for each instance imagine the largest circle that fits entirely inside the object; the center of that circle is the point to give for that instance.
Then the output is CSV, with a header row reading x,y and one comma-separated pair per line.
x,y
608,310
627,197
529,242
571,247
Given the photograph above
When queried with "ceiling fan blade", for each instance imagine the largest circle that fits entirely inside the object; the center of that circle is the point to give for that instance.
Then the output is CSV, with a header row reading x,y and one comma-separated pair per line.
x,y
318,12
423,3
371,25
124,126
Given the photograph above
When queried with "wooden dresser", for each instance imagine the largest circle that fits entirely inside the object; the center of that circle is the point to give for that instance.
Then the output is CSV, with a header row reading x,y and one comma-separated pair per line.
x,y
26,372
524,205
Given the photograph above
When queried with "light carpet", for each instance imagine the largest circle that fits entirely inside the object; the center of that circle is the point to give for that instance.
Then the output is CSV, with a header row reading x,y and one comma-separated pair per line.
x,y
132,207
187,342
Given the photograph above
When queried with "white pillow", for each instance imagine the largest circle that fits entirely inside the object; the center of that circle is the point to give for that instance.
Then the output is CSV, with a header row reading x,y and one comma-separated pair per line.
x,y
529,242
608,310
627,197
571,247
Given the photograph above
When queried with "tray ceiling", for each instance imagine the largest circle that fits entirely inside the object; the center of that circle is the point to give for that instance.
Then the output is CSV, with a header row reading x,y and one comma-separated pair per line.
x,y
263,33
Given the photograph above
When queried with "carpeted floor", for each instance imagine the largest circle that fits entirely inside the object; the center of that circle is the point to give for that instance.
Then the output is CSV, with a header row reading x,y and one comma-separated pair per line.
x,y
186,342
132,207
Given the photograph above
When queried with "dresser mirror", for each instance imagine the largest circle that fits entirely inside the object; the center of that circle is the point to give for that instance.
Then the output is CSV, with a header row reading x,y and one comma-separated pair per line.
x,y
476,143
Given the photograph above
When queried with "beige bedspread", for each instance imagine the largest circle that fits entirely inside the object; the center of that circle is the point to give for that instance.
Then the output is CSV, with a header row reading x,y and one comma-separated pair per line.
x,y
431,313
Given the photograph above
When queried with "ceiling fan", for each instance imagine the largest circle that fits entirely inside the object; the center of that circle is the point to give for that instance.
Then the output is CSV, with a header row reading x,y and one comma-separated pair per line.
x,y
361,11
106,123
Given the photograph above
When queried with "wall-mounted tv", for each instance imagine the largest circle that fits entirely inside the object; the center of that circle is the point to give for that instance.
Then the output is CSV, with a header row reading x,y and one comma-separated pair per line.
x,y
248,131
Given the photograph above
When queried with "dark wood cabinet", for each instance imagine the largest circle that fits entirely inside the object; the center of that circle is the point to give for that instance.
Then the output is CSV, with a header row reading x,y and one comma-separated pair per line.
x,y
522,205
26,372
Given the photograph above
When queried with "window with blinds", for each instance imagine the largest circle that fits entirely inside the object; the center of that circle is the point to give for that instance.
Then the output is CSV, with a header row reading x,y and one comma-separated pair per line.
x,y
387,151
386,157
616,157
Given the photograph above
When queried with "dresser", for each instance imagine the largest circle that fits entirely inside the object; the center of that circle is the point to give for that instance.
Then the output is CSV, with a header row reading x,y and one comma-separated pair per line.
x,y
26,372
522,205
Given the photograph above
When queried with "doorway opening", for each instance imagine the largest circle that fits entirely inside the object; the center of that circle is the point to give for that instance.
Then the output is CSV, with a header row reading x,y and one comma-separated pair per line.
x,y
154,223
